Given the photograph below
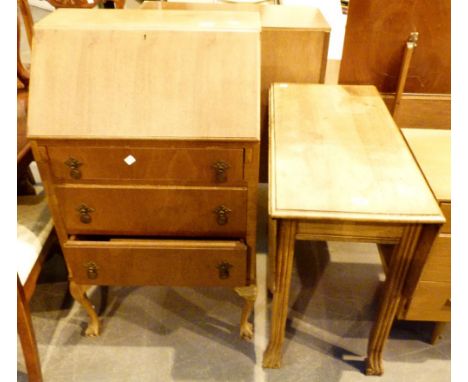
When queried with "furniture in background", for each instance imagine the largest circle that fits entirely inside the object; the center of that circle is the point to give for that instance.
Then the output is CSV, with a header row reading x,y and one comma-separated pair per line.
x,y
340,169
87,3
294,46
425,102
34,239
151,172
430,299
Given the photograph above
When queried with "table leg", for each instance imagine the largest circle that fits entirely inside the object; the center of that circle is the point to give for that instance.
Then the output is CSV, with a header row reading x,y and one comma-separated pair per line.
x,y
284,261
392,294
271,260
79,294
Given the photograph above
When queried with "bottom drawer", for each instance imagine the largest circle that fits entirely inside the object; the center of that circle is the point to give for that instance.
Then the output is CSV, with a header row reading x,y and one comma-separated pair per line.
x,y
157,262
430,302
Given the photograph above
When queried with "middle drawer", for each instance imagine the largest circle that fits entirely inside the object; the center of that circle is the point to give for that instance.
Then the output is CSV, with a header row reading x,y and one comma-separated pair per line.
x,y
152,210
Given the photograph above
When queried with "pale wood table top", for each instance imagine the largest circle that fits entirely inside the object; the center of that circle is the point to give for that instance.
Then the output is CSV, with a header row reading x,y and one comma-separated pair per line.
x,y
335,153
431,148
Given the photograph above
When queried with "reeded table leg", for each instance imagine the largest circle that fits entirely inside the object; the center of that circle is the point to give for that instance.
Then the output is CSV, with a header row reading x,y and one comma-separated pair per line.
x,y
284,261
392,294
79,294
249,294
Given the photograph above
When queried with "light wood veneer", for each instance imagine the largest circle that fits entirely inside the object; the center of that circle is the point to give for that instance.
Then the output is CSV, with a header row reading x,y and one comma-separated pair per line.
x,y
146,127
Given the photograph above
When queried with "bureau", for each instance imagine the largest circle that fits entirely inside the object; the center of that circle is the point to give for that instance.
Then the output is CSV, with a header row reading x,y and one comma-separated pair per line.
x,y
145,127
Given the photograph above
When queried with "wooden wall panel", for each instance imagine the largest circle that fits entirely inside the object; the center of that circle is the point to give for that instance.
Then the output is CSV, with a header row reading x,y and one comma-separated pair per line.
x,y
376,33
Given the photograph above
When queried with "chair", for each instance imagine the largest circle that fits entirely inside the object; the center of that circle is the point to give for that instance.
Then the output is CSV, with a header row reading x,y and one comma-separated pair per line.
x,y
24,153
35,235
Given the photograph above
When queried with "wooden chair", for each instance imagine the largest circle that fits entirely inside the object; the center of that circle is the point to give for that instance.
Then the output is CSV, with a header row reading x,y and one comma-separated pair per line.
x,y
24,153
34,223
34,239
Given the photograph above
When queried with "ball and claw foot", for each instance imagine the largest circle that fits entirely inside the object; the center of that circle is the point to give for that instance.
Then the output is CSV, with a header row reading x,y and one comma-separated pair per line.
x,y
92,330
249,294
246,331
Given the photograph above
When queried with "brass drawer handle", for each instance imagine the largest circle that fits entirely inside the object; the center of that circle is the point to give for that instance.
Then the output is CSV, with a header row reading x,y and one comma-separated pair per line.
x,y
84,211
220,168
91,270
223,269
74,165
222,214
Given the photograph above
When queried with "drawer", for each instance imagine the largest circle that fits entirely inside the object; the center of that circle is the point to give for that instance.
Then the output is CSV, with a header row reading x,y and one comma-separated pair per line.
x,y
437,267
430,302
157,262
202,165
447,210
155,211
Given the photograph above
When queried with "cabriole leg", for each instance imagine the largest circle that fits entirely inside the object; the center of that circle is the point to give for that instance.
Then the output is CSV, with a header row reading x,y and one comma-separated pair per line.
x,y
79,294
249,294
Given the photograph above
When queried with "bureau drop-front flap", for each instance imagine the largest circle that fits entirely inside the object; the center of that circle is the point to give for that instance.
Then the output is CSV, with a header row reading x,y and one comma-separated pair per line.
x,y
146,74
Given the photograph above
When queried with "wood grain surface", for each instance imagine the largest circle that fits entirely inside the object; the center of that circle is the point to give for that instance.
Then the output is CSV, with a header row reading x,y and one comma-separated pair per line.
x,y
153,262
335,152
376,34
432,149
176,164
104,76
152,210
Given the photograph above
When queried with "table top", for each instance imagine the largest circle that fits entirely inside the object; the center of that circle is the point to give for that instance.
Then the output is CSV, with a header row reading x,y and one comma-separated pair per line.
x,y
335,153
431,147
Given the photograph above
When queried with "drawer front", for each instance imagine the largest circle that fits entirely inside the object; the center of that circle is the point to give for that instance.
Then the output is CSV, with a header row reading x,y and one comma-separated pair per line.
x,y
447,210
202,165
156,211
158,262
437,267
430,302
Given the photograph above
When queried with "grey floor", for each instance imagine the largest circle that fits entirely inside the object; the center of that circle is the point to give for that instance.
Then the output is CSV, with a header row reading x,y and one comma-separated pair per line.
x,y
184,334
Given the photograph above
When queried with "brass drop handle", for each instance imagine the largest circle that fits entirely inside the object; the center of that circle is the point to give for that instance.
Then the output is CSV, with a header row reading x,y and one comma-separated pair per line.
x,y
84,211
91,270
220,168
223,269
222,214
74,165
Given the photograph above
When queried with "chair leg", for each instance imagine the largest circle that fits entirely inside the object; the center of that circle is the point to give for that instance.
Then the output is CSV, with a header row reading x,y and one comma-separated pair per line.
x,y
27,337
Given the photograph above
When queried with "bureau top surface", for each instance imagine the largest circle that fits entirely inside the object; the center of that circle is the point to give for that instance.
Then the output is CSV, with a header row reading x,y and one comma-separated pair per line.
x,y
143,74
135,19
335,153
431,148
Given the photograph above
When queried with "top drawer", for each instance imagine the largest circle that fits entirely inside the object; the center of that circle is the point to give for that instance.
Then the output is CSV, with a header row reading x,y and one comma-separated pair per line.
x,y
201,165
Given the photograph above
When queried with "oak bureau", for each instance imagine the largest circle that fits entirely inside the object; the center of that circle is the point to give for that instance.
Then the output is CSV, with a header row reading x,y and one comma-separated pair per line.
x,y
146,127
341,170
